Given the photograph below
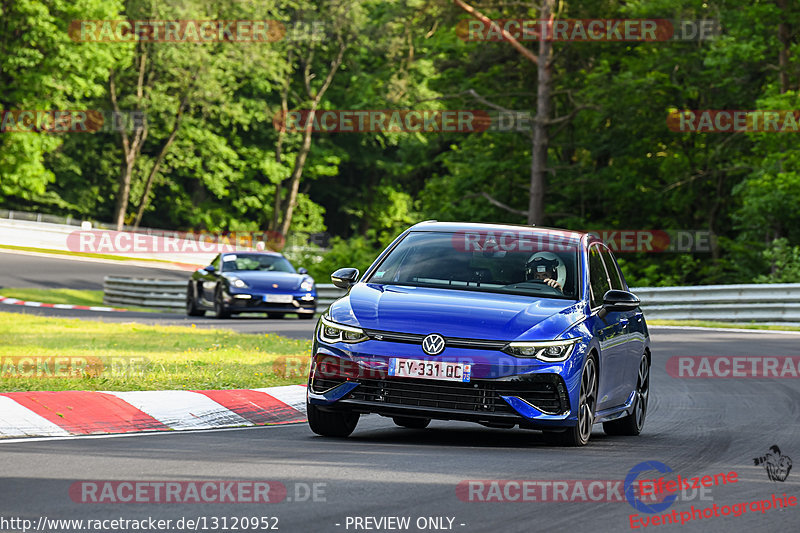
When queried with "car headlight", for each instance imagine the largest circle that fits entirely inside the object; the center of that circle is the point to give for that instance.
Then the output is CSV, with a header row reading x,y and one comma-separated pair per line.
x,y
307,285
548,351
238,283
333,332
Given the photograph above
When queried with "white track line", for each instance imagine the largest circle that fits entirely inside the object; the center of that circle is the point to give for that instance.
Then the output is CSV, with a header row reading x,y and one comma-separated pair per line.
x,y
732,330
143,434
292,395
24,421
182,409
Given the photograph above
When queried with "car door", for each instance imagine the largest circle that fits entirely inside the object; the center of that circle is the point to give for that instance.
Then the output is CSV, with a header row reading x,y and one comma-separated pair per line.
x,y
631,321
608,330
208,283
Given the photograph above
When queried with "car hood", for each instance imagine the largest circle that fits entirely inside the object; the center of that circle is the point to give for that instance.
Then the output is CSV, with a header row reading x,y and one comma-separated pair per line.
x,y
265,280
455,313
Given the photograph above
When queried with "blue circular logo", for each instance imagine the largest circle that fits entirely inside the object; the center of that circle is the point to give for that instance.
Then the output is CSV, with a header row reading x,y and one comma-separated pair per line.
x,y
630,483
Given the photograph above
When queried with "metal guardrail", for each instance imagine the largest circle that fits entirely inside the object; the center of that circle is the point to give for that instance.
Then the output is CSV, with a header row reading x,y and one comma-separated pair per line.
x,y
68,220
144,292
725,303
773,302
171,294
327,293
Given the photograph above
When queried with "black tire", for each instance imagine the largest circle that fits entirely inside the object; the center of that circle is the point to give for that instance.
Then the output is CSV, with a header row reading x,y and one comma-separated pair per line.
x,y
579,434
191,303
411,422
275,315
220,308
305,316
632,424
329,424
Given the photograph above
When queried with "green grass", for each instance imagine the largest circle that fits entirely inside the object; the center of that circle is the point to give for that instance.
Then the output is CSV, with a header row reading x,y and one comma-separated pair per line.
x,y
64,296
120,357
710,324
55,296
81,254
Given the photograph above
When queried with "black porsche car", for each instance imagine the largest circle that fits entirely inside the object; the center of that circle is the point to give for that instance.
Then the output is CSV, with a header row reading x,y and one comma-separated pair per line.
x,y
251,282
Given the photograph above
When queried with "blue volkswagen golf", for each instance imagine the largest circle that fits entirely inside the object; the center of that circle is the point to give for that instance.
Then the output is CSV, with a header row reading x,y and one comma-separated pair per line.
x,y
501,325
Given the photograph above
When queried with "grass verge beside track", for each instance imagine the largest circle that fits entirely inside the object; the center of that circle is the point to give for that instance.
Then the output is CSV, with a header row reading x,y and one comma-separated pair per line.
x,y
42,353
727,325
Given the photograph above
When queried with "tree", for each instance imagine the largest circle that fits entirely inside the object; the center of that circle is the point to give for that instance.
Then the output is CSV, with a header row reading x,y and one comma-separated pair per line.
x,y
42,68
543,62
312,60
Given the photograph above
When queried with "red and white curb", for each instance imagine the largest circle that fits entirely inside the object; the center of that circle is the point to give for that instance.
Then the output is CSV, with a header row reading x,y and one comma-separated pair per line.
x,y
14,301
65,413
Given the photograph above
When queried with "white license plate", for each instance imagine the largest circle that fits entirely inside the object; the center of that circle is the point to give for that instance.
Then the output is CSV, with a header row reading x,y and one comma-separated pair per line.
x,y
415,368
278,298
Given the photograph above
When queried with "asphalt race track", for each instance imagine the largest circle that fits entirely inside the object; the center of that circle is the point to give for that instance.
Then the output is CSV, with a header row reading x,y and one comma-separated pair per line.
x,y
288,327
52,272
695,426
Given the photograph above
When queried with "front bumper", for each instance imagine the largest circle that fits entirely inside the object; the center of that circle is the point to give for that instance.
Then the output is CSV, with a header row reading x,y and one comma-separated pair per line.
x,y
530,400
244,301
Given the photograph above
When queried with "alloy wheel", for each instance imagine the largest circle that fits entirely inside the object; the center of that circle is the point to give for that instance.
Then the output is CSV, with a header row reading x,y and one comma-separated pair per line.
x,y
588,399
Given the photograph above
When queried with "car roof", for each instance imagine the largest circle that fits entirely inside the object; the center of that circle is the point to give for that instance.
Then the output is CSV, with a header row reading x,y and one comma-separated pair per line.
x,y
434,225
254,252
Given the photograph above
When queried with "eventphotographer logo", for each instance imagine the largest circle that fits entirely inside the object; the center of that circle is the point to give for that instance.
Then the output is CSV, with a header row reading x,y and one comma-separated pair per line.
x,y
776,464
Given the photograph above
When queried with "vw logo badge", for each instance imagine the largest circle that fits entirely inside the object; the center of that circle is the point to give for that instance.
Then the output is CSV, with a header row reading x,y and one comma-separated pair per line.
x,y
433,344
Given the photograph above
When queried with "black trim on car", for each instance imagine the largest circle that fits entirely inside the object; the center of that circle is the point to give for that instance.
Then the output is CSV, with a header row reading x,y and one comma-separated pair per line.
x,y
416,338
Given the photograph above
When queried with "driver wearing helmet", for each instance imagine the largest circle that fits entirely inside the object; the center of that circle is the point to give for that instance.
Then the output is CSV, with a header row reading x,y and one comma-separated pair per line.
x,y
543,266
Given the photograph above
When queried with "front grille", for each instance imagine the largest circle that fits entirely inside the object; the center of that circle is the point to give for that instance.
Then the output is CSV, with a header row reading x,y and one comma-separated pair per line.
x,y
320,385
544,391
416,338
259,303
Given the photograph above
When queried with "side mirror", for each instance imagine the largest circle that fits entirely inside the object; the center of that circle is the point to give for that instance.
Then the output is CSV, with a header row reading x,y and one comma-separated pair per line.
x,y
344,278
616,300
210,269
302,270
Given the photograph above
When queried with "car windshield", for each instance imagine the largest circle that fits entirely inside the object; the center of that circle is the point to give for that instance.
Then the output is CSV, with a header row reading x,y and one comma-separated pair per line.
x,y
257,262
531,263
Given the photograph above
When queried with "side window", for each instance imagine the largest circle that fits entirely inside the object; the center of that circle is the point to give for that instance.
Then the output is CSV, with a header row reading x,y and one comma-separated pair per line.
x,y
598,279
613,269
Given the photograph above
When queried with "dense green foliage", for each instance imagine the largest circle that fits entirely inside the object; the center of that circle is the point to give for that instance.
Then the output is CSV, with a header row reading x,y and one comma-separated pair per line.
x,y
614,163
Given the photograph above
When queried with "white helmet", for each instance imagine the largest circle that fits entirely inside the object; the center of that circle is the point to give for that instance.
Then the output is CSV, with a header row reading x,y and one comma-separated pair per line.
x,y
546,262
